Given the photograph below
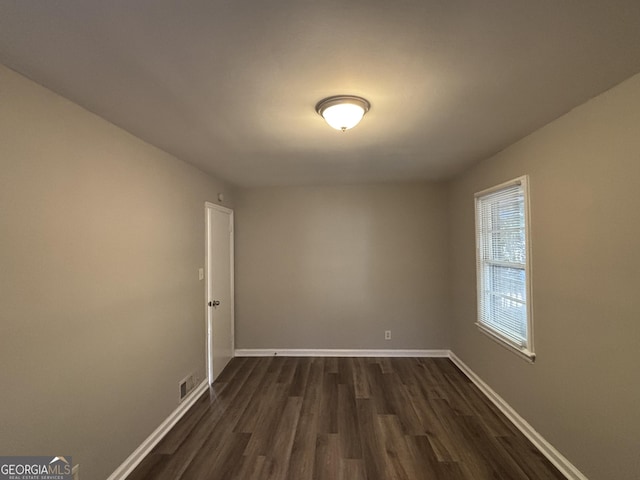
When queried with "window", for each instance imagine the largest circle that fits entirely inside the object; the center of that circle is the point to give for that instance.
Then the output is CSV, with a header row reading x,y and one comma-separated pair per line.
x,y
502,258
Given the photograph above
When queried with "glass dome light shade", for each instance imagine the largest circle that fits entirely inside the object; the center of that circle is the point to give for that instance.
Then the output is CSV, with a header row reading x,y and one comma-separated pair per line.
x,y
343,112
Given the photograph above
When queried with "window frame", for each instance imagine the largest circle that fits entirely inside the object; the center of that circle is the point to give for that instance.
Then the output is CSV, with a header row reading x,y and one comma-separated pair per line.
x,y
525,351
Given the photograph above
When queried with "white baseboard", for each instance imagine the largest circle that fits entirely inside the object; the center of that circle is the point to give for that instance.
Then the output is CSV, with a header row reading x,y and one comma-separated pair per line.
x,y
301,352
553,455
152,440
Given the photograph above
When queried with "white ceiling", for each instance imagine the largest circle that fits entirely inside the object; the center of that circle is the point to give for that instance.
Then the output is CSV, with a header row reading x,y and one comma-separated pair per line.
x,y
230,86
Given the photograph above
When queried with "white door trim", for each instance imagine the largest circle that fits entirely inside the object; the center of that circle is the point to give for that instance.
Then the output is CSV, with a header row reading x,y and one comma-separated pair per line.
x,y
207,207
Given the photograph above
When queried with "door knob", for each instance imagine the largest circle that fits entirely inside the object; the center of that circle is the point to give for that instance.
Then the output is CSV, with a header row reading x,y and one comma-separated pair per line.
x,y
214,303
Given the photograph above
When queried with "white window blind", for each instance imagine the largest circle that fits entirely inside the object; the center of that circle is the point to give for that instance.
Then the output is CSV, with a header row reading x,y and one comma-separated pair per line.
x,y
502,264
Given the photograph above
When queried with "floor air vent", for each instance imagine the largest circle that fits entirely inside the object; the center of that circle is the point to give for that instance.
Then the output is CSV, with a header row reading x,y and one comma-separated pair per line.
x,y
186,385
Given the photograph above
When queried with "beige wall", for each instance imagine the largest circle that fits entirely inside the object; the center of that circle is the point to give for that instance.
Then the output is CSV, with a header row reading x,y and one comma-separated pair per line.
x,y
101,310
583,392
333,267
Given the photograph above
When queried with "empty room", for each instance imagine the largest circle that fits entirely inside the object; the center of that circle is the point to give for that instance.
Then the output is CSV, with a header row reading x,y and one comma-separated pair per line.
x,y
314,240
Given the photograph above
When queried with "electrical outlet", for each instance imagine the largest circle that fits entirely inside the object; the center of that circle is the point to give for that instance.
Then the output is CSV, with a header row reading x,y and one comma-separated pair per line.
x,y
387,334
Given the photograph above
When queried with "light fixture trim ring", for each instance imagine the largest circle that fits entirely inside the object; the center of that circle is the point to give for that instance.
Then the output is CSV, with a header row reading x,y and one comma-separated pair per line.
x,y
325,103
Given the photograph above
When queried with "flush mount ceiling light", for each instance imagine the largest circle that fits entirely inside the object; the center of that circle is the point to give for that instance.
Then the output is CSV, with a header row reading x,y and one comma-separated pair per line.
x,y
343,112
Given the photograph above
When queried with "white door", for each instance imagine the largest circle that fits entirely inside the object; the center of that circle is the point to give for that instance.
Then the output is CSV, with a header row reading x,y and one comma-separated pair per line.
x,y
220,329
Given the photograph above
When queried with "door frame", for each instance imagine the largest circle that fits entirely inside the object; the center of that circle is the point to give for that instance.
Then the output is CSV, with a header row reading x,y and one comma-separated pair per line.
x,y
208,207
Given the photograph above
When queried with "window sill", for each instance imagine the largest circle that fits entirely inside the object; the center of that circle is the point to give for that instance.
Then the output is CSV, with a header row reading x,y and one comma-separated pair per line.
x,y
521,352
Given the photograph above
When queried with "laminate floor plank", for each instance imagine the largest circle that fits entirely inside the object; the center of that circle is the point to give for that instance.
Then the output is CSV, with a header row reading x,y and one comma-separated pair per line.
x,y
405,370
223,460
351,469
252,468
470,458
360,380
220,436
169,444
288,371
313,389
440,440
234,367
459,404
423,457
286,418
429,382
257,403
149,465
400,465
385,365
451,471
331,365
218,399
482,408
281,444
382,398
433,373
327,462
498,460
345,371
534,464
271,408
328,419
372,442
348,428
302,461
300,376
401,404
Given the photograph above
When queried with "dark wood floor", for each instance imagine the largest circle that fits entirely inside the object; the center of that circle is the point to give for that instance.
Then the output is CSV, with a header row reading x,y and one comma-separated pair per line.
x,y
344,419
